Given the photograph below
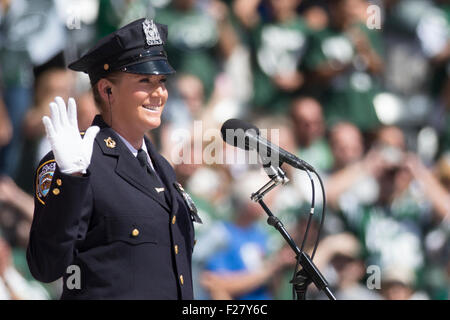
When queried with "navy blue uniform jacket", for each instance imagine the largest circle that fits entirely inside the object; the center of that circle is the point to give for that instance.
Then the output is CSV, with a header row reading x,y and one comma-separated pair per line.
x,y
129,239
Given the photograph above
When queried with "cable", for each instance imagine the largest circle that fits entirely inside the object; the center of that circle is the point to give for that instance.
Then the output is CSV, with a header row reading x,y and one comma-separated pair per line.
x,y
323,215
294,297
110,107
305,237
311,212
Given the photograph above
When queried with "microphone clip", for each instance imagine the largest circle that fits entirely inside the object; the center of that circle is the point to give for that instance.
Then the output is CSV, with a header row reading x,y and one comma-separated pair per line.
x,y
277,177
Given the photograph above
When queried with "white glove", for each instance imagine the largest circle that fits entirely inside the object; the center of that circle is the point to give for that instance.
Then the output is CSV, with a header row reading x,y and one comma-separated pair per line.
x,y
72,152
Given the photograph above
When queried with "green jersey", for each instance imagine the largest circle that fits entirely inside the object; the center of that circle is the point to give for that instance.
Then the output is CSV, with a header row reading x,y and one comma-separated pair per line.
x,y
277,49
349,95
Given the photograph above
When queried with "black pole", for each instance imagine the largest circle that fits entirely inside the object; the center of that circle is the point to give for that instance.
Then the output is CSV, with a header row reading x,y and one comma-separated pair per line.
x,y
309,272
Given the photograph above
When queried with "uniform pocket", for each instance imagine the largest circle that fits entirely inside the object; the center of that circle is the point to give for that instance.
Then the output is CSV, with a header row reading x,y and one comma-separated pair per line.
x,y
131,229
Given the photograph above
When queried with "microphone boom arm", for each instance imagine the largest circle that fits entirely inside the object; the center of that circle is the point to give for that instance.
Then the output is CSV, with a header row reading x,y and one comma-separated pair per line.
x,y
277,178
309,272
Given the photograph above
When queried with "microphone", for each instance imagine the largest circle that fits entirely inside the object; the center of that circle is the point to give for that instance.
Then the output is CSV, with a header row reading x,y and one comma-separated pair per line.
x,y
246,136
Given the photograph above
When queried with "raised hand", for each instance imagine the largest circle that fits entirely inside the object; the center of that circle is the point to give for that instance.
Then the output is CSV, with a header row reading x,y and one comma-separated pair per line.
x,y
72,152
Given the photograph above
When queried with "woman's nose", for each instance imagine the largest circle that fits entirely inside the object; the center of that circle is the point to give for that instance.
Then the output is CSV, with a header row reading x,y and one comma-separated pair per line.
x,y
159,90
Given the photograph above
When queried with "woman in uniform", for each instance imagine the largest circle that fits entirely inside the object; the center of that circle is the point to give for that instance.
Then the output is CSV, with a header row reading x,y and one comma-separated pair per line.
x,y
110,217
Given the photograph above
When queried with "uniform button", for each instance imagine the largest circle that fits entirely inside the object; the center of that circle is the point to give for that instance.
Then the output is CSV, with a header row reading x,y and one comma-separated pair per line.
x,y
174,219
59,182
135,233
56,191
176,249
181,279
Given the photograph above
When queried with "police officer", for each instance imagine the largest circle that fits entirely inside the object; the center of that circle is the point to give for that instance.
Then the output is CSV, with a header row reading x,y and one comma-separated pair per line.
x,y
107,206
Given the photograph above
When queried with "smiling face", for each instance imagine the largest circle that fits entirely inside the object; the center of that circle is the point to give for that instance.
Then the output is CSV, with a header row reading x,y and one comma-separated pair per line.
x,y
137,102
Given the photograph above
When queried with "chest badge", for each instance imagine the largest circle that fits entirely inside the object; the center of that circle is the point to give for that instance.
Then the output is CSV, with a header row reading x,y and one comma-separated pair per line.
x,y
189,202
110,143
159,190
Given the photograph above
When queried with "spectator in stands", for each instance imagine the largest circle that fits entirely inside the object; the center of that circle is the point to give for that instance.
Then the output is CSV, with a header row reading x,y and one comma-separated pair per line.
x,y
13,286
391,228
238,268
190,53
342,252
309,129
5,125
278,46
21,48
432,31
345,58
397,283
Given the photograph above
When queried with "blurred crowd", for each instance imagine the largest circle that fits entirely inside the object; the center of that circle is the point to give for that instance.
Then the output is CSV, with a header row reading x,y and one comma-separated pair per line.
x,y
359,89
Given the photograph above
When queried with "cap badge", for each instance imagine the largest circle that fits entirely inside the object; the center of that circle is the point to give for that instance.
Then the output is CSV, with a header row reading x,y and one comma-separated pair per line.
x,y
151,33
110,143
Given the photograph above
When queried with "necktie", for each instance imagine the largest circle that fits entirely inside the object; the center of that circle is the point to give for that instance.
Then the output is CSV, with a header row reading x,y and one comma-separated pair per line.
x,y
142,157
143,160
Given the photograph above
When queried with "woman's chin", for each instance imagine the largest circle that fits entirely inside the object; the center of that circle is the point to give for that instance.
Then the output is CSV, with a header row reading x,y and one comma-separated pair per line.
x,y
152,123
152,118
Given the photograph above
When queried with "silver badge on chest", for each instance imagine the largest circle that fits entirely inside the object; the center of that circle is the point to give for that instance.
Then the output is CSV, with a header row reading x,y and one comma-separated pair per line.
x,y
189,203
151,33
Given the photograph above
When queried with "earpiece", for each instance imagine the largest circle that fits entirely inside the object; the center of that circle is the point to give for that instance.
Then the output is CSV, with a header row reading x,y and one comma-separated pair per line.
x,y
109,92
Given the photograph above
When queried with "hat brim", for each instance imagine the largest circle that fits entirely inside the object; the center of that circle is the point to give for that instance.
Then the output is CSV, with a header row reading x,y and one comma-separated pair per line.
x,y
156,67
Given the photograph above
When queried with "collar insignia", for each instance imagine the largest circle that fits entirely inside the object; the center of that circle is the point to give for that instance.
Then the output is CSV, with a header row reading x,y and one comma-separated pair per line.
x,y
110,143
151,33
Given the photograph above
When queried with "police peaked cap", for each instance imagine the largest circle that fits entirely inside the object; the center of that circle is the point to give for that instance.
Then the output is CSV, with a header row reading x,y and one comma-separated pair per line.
x,y
135,48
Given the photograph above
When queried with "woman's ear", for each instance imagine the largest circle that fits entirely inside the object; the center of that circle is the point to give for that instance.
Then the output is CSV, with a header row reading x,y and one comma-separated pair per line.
x,y
105,90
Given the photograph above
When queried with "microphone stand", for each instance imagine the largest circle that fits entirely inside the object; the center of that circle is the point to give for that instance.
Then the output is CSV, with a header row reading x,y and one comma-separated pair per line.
x,y
309,272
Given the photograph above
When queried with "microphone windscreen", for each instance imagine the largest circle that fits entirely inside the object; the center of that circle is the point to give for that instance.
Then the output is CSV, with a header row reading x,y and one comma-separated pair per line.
x,y
234,124
234,132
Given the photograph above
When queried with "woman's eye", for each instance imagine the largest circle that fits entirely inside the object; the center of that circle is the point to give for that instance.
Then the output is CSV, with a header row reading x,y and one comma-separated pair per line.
x,y
146,80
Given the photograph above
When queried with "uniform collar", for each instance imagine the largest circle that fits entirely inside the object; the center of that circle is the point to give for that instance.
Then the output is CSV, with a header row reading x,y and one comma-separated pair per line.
x,y
133,150
112,144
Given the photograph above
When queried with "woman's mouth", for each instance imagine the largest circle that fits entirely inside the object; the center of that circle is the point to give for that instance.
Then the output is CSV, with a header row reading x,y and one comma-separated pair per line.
x,y
151,107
